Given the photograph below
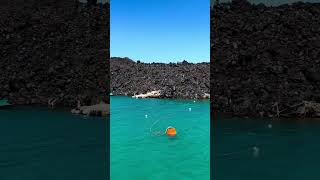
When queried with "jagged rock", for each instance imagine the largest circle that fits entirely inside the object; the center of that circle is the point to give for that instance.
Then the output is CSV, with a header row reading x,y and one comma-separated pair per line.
x,y
100,109
173,80
53,49
312,75
268,51
152,94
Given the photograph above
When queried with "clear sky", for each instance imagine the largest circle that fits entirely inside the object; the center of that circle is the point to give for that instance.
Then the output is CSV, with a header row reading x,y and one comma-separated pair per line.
x,y
160,30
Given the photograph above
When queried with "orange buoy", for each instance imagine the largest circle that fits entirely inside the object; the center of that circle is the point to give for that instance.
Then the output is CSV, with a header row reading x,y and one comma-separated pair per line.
x,y
171,131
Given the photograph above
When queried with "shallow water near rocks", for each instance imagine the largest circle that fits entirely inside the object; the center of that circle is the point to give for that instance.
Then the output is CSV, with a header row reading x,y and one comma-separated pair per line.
x,y
37,143
138,154
288,149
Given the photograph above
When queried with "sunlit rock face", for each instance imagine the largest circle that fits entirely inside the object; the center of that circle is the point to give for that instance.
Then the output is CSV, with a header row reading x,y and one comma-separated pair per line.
x,y
173,80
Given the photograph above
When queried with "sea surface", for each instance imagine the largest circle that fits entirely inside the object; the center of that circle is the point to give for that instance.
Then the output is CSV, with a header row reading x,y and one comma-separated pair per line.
x,y
37,144
141,153
264,149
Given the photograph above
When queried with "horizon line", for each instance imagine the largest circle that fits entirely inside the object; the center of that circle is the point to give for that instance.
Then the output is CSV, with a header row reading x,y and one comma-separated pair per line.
x,y
165,62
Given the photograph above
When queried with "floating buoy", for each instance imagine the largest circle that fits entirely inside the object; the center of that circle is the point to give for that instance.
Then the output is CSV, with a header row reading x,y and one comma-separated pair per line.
x,y
171,131
189,109
146,116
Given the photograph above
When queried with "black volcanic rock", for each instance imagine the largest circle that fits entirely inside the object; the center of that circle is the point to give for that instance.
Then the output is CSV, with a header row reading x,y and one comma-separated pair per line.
x,y
175,80
264,55
54,50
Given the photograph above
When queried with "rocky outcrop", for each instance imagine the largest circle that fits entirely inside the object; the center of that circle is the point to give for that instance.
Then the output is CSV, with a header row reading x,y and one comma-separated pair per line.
x,y
101,109
152,94
54,52
173,80
264,57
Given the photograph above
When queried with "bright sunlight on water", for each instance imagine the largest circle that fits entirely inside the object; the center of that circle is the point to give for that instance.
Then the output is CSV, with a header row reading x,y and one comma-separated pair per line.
x,y
140,152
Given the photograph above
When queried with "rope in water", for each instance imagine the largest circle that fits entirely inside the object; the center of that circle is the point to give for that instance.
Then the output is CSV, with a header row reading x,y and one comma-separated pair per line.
x,y
160,132
253,150
157,133
233,153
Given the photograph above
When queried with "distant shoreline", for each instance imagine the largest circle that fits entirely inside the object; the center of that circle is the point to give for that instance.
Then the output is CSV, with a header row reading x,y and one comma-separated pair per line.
x,y
182,99
153,62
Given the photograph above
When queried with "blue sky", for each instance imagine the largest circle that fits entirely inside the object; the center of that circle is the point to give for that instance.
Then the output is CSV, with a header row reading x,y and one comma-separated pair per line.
x,y
160,30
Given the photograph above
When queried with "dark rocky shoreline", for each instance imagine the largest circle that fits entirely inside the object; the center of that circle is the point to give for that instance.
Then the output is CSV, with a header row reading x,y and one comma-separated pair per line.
x,y
264,59
54,51
174,80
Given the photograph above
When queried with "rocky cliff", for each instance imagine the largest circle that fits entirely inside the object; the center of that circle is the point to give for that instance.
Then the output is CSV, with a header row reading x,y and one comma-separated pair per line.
x,y
174,80
264,58
54,51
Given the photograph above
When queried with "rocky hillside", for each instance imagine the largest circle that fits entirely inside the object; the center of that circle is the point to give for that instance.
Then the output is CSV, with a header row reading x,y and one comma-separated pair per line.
x,y
54,51
264,57
174,80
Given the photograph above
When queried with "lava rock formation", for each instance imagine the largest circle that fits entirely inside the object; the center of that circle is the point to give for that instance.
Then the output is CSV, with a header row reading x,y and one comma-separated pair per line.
x,y
54,51
264,57
174,80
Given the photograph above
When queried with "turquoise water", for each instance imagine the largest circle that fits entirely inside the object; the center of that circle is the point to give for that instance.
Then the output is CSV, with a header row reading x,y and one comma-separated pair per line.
x,y
36,144
138,154
288,149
